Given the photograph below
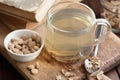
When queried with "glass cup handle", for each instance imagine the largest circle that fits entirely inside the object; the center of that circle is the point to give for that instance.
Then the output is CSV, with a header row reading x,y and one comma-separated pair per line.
x,y
102,30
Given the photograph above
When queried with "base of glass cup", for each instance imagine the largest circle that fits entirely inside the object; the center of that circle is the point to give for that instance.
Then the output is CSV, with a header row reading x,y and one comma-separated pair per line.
x,y
68,59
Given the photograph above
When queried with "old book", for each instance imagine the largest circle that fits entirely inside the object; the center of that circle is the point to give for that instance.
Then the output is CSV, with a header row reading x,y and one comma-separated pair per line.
x,y
37,15
17,23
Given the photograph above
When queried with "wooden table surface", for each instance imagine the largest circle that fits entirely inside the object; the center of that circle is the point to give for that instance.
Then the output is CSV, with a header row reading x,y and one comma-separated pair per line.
x,y
114,74
7,71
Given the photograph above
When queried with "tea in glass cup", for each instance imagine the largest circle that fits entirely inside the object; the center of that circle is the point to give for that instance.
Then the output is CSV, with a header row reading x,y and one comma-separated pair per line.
x,y
71,30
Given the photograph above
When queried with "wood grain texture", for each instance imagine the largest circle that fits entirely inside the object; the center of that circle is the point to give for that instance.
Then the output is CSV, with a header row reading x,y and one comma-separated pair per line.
x,y
113,75
48,65
109,52
118,70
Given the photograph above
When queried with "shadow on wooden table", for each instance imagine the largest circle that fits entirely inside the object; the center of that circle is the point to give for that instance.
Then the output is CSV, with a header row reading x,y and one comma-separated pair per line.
x,y
7,72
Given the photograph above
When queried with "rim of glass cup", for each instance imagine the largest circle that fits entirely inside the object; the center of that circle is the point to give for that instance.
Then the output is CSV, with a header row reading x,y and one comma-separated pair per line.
x,y
66,31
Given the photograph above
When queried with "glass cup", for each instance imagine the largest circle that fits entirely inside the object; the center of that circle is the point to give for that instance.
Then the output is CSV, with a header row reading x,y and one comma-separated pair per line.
x,y
71,31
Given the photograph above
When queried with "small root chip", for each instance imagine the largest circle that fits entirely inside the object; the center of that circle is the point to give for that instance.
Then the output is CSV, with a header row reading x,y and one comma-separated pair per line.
x,y
69,74
63,71
101,76
34,71
30,67
37,65
58,77
73,78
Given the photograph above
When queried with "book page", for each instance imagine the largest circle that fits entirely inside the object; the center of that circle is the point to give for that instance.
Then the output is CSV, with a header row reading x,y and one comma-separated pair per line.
x,y
27,5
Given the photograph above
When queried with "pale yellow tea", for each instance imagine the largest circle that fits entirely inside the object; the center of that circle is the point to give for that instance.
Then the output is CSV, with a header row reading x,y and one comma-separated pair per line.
x,y
69,36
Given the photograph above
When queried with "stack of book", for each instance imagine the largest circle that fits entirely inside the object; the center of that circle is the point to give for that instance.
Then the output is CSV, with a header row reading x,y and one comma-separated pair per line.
x,y
19,17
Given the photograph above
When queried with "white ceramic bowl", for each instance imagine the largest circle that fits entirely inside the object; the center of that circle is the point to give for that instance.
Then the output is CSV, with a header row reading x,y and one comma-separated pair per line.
x,y
22,57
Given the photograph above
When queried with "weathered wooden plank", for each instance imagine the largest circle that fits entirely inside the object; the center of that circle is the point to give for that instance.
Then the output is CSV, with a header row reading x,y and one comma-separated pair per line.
x,y
113,74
